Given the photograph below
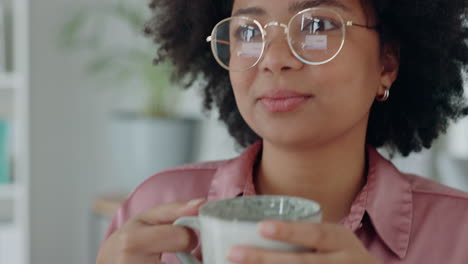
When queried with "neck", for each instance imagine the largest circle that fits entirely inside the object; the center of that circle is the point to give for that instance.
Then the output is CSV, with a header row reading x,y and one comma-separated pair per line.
x,y
331,175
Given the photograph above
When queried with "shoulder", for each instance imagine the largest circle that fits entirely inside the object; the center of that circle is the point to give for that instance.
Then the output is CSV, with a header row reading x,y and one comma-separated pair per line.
x,y
181,183
430,188
390,177
436,203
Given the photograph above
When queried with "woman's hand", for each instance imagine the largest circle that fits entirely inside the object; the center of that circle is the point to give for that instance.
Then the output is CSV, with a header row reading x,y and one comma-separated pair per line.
x,y
144,237
329,243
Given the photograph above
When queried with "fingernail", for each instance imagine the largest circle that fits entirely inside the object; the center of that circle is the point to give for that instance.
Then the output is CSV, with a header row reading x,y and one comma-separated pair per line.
x,y
195,202
236,254
268,228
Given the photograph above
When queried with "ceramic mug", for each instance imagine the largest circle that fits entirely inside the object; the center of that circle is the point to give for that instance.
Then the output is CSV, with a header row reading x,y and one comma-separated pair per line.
x,y
226,223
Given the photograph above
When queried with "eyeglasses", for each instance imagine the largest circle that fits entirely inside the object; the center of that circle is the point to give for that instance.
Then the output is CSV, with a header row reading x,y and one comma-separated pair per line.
x,y
315,36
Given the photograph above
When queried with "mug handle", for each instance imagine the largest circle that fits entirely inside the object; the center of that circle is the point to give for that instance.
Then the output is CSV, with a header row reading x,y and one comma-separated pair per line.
x,y
192,222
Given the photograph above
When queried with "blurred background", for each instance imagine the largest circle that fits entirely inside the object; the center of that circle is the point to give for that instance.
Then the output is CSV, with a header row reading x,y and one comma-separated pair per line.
x,y
84,118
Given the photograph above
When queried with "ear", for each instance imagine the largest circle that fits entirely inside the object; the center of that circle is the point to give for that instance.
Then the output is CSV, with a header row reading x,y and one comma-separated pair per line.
x,y
390,65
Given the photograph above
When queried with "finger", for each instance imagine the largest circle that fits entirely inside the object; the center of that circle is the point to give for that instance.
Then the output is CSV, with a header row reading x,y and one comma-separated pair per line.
x,y
246,255
158,239
168,213
322,237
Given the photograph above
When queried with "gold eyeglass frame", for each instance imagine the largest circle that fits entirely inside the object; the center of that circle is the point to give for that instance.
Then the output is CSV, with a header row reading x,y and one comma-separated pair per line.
x,y
345,24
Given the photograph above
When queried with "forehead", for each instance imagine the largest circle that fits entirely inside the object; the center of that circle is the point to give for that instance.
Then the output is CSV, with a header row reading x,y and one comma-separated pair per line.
x,y
289,7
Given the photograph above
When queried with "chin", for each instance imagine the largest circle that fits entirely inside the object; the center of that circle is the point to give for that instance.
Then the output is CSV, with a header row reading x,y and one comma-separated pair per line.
x,y
291,140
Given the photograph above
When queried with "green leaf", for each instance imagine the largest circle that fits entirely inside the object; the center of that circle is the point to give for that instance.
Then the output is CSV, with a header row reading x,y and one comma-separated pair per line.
x,y
68,35
99,65
134,17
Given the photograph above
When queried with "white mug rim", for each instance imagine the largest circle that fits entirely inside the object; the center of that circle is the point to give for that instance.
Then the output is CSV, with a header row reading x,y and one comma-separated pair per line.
x,y
205,213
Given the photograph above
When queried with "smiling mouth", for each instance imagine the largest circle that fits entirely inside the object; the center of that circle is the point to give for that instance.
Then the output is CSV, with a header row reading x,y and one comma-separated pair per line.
x,y
284,104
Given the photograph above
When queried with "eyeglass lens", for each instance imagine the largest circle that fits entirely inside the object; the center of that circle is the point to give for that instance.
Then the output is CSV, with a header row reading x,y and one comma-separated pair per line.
x,y
315,37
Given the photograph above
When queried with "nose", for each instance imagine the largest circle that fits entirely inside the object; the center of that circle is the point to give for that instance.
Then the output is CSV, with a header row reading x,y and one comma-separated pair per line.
x,y
278,56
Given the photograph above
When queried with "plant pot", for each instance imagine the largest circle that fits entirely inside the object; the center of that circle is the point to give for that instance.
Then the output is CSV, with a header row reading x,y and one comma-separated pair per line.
x,y
143,146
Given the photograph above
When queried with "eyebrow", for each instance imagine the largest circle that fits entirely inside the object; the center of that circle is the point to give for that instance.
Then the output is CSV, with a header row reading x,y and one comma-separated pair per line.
x,y
256,11
293,8
299,6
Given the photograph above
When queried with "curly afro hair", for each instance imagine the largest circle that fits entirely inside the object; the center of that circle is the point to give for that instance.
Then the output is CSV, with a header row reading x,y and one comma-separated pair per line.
x,y
427,95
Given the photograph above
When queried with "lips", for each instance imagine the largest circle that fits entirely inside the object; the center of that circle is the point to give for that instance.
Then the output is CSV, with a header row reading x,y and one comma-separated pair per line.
x,y
282,100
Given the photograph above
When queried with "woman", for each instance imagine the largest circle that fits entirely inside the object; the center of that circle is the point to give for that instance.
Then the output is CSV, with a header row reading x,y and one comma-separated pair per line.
x,y
311,89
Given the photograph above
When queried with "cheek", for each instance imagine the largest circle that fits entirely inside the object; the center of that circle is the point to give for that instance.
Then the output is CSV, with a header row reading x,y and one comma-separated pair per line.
x,y
241,83
359,71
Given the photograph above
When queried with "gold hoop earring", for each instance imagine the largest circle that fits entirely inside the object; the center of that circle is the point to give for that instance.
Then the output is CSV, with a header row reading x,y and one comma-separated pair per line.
x,y
384,97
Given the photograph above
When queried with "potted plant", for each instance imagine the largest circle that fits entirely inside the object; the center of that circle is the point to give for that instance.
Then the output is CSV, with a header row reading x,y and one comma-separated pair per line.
x,y
146,141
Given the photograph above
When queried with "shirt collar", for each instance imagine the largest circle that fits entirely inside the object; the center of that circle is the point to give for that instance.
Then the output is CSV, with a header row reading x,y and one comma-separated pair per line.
x,y
389,203
386,196
387,199
235,176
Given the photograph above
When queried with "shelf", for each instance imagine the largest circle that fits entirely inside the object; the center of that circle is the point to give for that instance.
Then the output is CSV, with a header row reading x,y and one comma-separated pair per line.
x,y
107,205
7,227
14,106
9,191
8,81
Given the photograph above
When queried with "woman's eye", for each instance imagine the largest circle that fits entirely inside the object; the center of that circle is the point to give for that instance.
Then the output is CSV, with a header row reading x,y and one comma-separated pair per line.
x,y
248,33
317,25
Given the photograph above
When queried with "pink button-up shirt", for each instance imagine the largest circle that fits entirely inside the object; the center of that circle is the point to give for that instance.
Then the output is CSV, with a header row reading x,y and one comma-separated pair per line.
x,y
400,218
